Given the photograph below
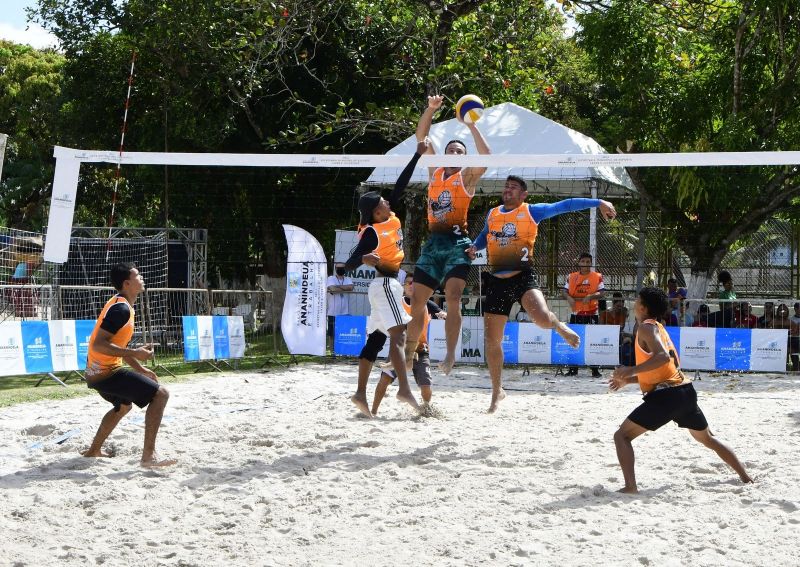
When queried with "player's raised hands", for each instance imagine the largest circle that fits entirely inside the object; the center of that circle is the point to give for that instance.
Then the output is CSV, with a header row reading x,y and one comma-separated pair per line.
x,y
607,210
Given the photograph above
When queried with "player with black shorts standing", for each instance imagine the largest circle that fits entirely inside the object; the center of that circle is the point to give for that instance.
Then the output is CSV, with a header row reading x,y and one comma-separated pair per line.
x,y
108,348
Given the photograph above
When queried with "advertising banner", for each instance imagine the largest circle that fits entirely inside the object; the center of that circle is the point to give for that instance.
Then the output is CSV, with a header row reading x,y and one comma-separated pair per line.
x,y
304,319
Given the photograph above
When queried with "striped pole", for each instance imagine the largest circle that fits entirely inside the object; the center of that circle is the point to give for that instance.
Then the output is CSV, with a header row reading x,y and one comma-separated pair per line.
x,y
119,160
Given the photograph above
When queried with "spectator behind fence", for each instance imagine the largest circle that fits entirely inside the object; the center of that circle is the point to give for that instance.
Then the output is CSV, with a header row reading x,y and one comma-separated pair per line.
x,y
582,291
673,291
782,320
702,316
794,338
765,321
618,315
683,317
744,316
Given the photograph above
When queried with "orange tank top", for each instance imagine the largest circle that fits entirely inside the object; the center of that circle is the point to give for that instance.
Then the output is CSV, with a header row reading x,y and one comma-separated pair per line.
x,y
100,365
448,203
580,285
390,245
670,373
510,240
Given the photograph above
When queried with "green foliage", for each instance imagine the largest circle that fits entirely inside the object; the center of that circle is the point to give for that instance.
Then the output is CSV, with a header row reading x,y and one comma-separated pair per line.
x,y
30,99
689,76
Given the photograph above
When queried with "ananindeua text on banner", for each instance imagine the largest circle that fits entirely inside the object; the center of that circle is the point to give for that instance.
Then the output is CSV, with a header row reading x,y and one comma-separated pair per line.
x,y
304,318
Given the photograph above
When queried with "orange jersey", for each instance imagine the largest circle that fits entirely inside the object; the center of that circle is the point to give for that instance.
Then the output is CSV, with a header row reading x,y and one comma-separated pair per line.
x,y
579,285
670,373
98,364
510,239
448,203
390,245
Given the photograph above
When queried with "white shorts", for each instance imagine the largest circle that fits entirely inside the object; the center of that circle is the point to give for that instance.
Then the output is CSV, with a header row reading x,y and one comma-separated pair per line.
x,y
386,305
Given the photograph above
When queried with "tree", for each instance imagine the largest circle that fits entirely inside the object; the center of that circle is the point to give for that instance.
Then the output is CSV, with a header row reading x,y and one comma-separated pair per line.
x,y
30,99
701,76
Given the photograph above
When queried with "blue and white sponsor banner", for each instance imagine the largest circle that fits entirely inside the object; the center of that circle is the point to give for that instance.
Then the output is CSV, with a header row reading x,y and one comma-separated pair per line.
x,y
349,334
219,324
83,332
236,339
601,346
469,347
12,361
526,343
768,350
697,348
562,353
191,345
36,347
63,340
534,343
205,337
732,349
510,343
210,337
304,318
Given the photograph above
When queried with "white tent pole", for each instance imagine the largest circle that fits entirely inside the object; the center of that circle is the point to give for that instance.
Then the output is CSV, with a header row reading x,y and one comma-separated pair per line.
x,y
593,224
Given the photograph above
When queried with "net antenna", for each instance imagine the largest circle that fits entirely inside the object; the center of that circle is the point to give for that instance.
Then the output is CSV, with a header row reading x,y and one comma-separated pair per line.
x,y
121,148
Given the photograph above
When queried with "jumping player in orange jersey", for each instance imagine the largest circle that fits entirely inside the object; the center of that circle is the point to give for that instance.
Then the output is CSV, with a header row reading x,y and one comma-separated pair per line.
x,y
509,237
381,245
108,348
668,394
443,257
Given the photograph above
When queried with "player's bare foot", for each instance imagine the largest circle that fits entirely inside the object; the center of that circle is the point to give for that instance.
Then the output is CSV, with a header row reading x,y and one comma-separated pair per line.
x,y
361,404
570,336
746,478
97,454
154,462
446,365
408,398
628,490
496,400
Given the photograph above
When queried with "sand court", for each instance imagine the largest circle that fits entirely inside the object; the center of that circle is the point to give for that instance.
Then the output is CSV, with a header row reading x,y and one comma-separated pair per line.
x,y
277,469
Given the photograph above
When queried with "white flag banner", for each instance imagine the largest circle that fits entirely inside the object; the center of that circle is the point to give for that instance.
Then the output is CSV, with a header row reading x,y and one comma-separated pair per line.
x,y
205,337
236,336
698,347
62,208
534,344
12,359
304,318
63,345
768,350
601,345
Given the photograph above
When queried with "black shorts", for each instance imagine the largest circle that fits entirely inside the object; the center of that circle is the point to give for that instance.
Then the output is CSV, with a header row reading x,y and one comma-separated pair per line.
x,y
460,271
678,404
503,293
422,370
125,387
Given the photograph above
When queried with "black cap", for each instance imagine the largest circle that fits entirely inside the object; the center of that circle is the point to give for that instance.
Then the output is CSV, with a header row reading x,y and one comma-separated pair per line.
x,y
366,204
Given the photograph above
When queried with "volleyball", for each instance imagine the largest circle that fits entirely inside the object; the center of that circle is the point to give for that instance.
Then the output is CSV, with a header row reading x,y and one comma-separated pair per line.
x,y
469,108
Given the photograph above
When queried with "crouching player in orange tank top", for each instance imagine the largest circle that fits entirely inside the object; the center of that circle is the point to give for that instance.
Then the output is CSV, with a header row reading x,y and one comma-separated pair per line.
x,y
108,348
668,394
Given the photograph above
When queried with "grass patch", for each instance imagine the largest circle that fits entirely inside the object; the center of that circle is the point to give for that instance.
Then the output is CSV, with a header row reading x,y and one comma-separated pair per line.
x,y
21,389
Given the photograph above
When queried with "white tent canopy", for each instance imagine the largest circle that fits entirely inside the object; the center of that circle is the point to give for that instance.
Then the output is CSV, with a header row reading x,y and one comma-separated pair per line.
x,y
511,129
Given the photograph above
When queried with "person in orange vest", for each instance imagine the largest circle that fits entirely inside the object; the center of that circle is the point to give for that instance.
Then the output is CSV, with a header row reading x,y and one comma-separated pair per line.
x,y
668,394
380,245
582,291
108,348
443,260
422,362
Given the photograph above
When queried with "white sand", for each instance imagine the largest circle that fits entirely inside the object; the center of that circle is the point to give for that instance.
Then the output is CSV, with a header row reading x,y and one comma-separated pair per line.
x,y
294,478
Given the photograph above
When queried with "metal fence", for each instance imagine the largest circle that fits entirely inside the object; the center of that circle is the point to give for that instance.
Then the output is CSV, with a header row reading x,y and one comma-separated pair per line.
x,y
158,313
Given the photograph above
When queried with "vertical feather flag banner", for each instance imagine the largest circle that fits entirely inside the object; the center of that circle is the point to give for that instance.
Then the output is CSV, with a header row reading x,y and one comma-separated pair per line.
x,y
304,317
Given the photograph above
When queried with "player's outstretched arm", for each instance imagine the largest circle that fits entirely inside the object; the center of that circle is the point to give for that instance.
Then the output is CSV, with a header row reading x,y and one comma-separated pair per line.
x,y
543,211
426,119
